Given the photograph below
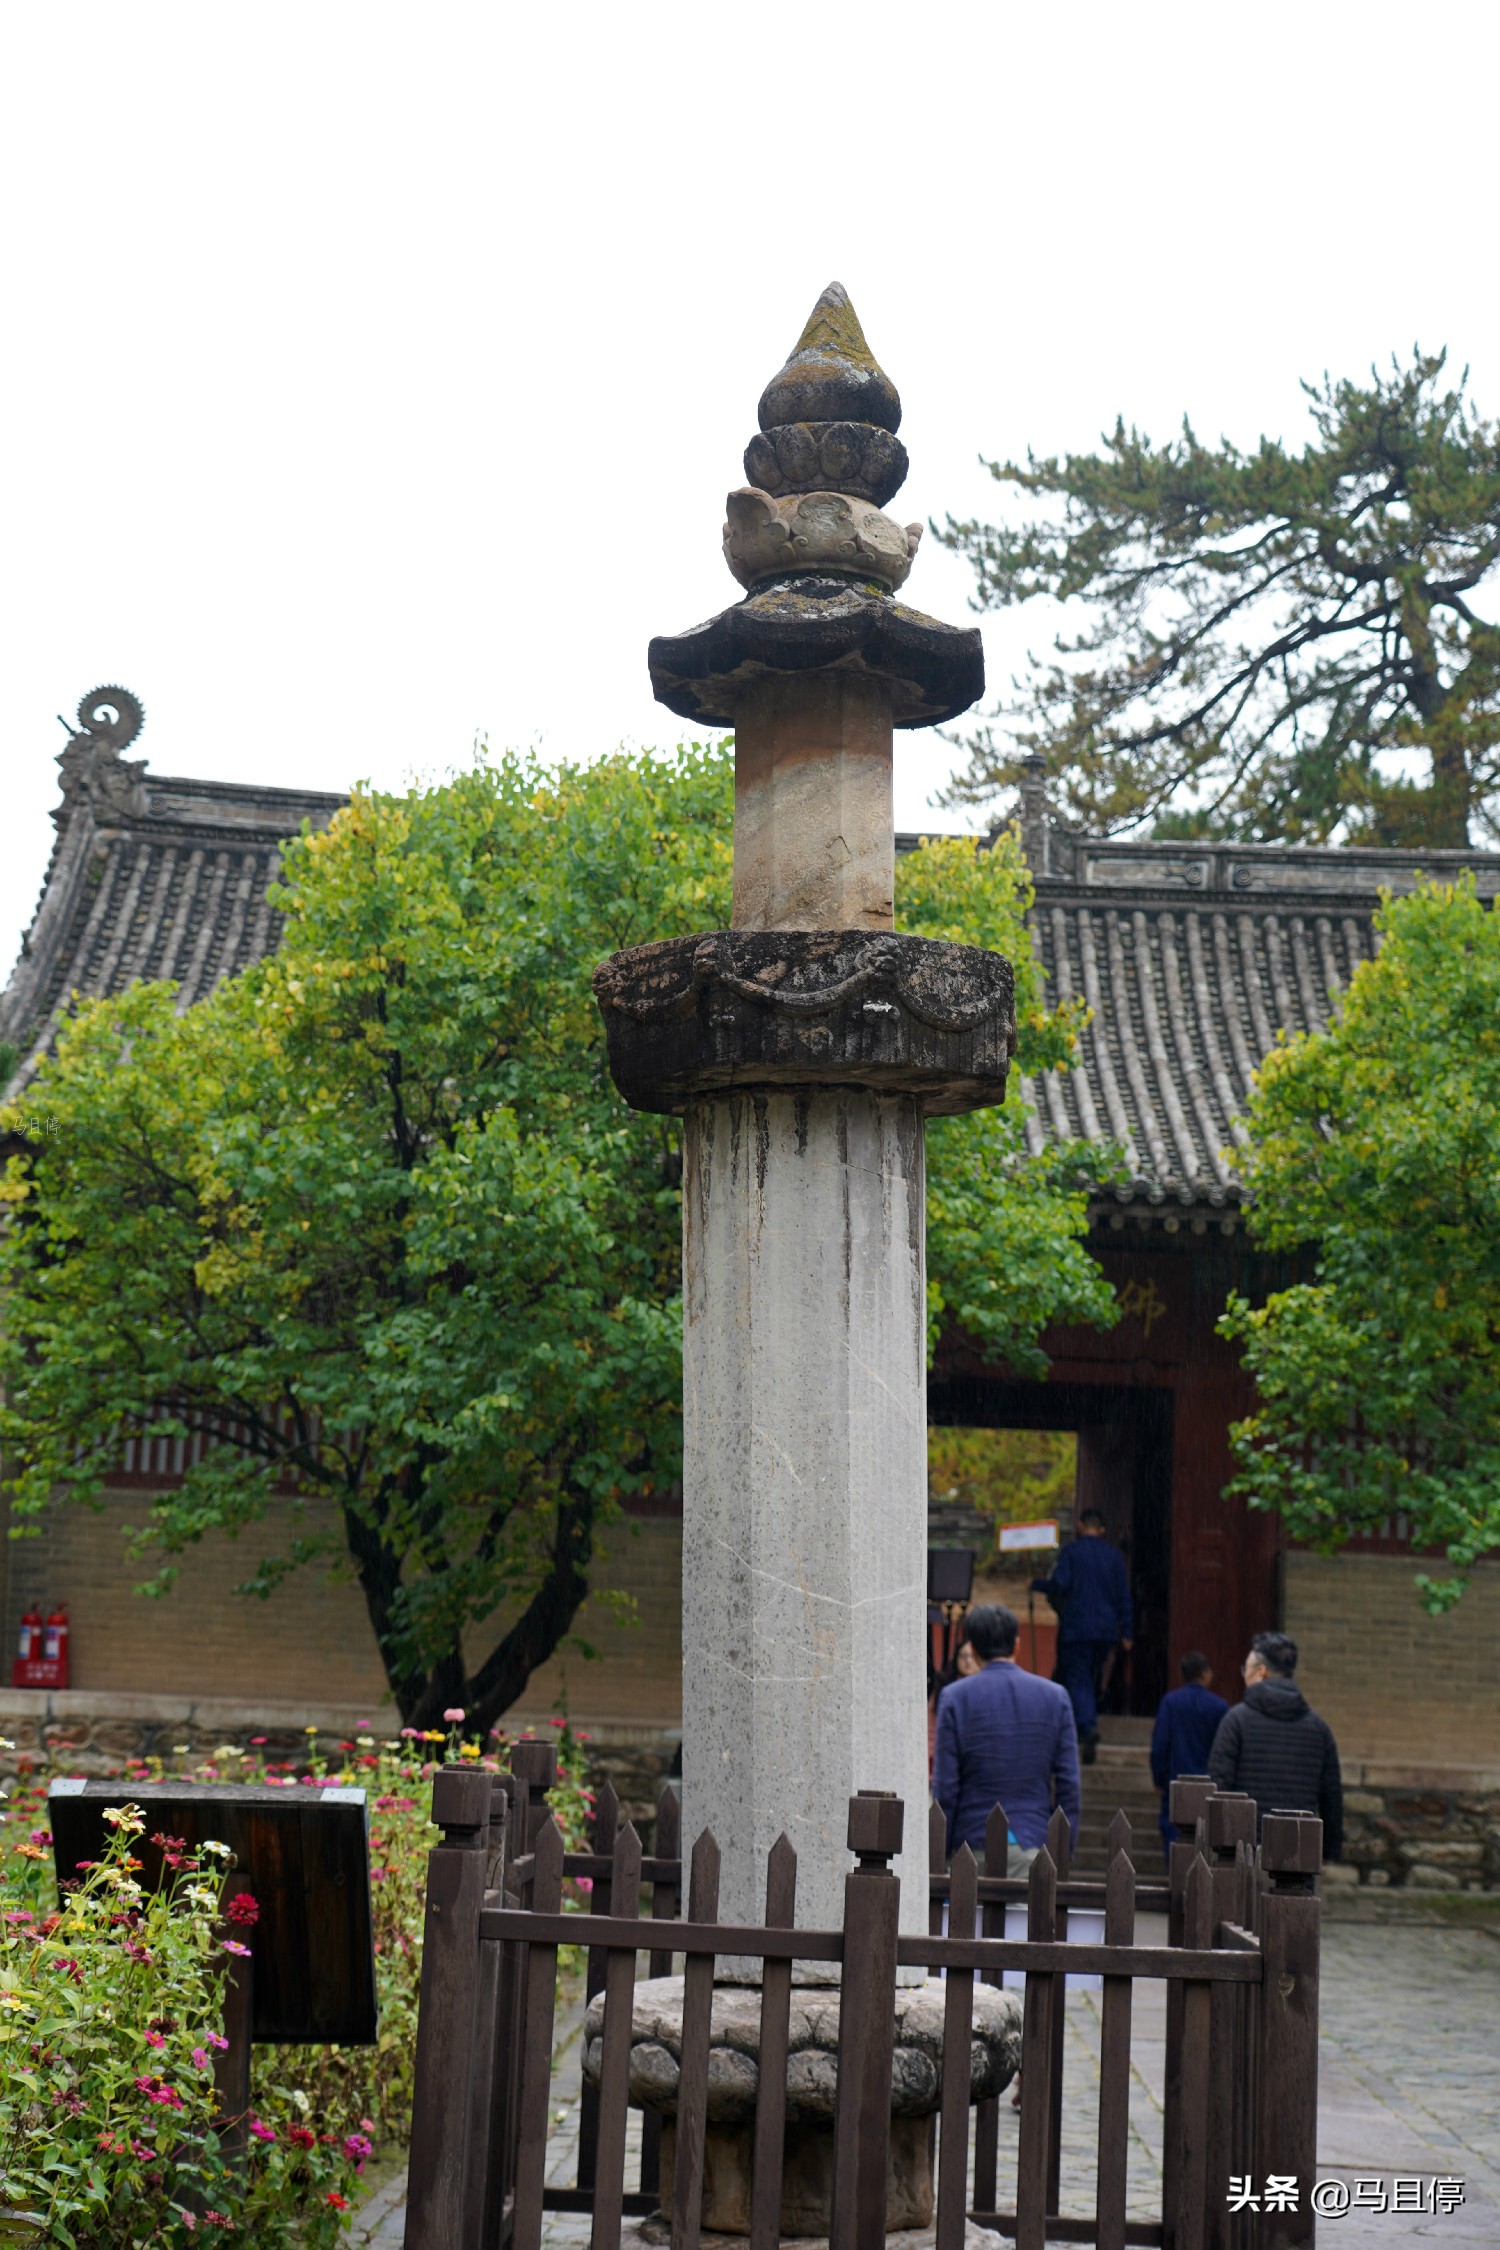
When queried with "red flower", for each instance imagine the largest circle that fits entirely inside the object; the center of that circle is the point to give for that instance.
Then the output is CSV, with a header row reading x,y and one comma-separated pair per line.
x,y
242,1908
339,2202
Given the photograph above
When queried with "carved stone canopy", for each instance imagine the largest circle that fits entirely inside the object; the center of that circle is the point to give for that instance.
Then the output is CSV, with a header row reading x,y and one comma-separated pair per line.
x,y
780,1009
933,671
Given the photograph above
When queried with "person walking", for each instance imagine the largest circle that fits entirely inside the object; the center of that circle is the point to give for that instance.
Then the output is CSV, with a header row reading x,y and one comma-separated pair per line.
x,y
1004,1737
1186,1722
1091,1594
1274,1746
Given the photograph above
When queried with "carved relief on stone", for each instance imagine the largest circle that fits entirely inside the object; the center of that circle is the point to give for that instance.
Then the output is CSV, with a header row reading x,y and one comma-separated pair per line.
x,y
897,1014
854,457
825,533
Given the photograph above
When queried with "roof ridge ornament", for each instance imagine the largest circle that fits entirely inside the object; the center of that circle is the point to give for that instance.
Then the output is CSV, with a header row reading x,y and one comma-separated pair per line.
x,y
110,716
93,770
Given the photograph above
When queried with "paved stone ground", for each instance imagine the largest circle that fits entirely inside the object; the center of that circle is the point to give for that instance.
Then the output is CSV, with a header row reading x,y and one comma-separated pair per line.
x,y
1409,2085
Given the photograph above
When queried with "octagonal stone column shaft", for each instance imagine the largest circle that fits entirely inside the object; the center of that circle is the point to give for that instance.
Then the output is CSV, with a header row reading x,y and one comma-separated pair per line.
x,y
805,1459
813,842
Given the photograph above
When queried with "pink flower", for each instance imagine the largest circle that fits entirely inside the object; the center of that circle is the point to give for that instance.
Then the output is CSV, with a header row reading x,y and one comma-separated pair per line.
x,y
155,2039
260,2129
202,2059
40,1836
232,1945
357,2147
454,1716
216,2039
155,2091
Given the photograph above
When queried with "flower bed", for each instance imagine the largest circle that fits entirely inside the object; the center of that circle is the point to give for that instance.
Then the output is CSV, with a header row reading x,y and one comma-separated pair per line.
x,y
111,2009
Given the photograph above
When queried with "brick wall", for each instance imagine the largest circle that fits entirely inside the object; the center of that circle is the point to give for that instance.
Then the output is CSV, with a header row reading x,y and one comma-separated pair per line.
x,y
1399,1688
309,1644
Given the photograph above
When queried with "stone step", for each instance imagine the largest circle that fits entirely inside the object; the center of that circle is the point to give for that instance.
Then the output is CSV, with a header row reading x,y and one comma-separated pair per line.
x,y
1119,1732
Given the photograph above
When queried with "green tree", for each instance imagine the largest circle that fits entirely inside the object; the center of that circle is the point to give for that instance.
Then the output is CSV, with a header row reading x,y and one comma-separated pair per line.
x,y
1374,1151
374,1217
1274,635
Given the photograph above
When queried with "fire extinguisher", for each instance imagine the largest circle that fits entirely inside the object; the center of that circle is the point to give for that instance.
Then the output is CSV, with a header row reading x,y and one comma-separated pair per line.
x,y
31,1635
55,1642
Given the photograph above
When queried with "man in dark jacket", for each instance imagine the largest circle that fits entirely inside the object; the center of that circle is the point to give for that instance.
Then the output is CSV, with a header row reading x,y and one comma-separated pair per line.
x,y
1003,1737
1091,1594
1186,1722
1274,1746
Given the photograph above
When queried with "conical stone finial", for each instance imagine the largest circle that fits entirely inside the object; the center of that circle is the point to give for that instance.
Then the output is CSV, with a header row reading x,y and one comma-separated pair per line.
x,y
828,419
832,375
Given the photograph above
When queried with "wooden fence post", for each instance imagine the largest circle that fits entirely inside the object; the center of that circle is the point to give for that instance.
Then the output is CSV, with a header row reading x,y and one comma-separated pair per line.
x,y
1189,1793
446,2020
614,2065
606,1827
489,2125
1197,2002
533,1767
1114,2048
1034,2165
991,1924
689,2138
867,2024
666,1843
937,1860
1060,1845
1291,1850
534,2063
1229,1819
775,2034
958,2037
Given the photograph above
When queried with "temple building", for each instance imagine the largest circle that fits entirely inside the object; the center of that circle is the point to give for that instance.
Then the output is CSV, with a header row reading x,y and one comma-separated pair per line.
x,y
1193,959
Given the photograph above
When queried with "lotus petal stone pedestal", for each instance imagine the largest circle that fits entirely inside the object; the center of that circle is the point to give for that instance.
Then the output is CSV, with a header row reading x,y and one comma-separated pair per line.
x,y
811,2087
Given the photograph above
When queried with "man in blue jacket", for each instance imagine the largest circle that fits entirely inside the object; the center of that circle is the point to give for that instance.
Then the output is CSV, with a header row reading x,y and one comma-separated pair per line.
x,y
1186,1722
1004,1737
1091,1594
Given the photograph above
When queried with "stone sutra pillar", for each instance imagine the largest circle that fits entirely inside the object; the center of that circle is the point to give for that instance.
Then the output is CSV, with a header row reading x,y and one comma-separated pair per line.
x,y
803,1047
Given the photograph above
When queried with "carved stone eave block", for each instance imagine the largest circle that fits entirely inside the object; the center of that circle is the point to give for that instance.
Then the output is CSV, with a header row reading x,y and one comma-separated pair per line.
x,y
692,1016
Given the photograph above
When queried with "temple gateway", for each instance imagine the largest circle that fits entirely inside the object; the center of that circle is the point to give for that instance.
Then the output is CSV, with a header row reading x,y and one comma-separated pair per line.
x,y
1192,958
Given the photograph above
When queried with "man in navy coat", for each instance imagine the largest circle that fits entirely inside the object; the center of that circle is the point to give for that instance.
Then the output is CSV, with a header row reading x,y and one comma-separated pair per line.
x,y
1091,1594
1003,1737
1186,1722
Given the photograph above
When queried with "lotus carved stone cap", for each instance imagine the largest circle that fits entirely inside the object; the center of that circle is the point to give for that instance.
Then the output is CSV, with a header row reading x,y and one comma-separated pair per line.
x,y
823,533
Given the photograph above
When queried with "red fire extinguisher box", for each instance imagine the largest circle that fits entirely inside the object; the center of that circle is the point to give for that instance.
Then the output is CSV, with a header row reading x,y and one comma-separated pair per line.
x,y
42,1658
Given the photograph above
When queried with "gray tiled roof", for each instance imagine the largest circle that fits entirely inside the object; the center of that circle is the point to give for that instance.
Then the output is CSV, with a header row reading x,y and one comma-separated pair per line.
x,y
149,878
1192,959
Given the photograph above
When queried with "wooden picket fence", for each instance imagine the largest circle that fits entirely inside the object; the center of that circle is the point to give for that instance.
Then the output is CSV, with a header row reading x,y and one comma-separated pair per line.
x,y
1241,1967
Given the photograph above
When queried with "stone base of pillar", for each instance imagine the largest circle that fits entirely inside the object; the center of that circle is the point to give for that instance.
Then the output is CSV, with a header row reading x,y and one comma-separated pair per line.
x,y
812,2086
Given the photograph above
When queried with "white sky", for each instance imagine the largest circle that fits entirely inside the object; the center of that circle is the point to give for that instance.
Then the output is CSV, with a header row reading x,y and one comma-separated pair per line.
x,y
374,376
